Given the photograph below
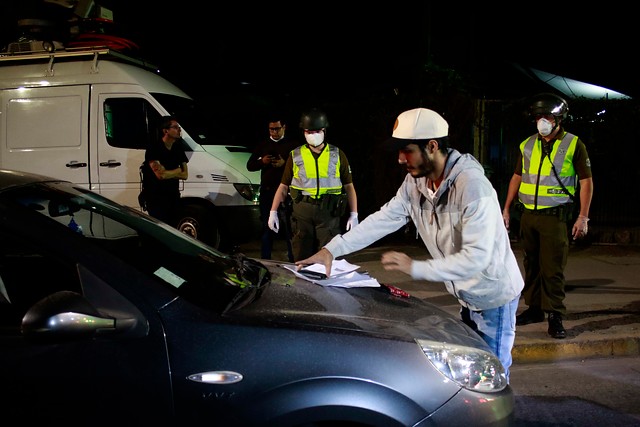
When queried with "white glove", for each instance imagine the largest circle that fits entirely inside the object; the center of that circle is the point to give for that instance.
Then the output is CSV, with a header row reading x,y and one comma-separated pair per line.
x,y
352,221
274,222
581,227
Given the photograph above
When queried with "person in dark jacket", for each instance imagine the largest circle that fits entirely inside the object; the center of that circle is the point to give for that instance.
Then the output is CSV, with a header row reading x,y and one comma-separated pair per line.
x,y
269,157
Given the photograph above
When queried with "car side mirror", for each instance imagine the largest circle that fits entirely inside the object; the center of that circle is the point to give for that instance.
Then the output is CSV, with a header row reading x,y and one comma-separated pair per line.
x,y
65,314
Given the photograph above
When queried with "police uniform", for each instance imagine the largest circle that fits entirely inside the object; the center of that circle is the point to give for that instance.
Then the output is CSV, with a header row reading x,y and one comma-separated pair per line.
x,y
315,182
546,206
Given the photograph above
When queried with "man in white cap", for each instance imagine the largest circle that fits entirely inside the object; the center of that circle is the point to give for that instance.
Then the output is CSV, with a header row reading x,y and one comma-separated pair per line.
x,y
458,216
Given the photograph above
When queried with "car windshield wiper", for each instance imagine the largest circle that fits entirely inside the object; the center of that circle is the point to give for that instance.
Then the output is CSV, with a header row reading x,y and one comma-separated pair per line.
x,y
250,272
251,276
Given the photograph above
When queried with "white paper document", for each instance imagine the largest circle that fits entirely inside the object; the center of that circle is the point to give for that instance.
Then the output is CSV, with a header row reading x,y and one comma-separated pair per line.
x,y
343,274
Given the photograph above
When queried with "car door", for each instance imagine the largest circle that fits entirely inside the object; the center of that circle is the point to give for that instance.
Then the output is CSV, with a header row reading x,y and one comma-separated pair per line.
x,y
101,378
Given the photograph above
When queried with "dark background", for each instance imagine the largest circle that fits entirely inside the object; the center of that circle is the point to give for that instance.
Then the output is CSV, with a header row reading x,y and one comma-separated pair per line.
x,y
318,50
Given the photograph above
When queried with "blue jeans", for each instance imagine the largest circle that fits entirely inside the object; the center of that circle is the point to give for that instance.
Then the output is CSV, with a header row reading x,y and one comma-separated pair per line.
x,y
497,326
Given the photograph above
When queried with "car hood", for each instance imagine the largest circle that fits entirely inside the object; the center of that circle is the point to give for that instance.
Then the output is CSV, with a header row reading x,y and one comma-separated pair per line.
x,y
289,301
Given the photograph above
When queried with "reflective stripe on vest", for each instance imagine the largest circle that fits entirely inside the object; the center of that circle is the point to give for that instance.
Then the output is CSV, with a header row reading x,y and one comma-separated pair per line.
x,y
316,177
538,180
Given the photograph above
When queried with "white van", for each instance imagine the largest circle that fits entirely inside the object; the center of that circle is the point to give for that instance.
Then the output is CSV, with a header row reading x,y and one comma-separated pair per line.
x,y
87,116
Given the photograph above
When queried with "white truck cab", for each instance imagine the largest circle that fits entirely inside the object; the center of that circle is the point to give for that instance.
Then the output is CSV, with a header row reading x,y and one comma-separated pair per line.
x,y
86,115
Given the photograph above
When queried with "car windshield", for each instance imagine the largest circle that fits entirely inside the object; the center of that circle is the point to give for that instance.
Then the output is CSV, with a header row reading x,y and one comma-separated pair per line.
x,y
198,271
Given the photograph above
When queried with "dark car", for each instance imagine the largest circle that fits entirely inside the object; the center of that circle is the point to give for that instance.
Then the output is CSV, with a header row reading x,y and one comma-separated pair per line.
x,y
109,317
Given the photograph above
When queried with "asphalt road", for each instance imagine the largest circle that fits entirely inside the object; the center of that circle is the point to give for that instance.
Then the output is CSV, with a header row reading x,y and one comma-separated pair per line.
x,y
590,392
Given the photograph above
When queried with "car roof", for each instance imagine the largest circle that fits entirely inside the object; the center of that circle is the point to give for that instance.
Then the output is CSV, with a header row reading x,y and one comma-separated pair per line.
x,y
12,178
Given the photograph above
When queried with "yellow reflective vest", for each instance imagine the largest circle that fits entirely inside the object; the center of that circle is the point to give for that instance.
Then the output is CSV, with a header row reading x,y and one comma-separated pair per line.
x,y
316,177
540,188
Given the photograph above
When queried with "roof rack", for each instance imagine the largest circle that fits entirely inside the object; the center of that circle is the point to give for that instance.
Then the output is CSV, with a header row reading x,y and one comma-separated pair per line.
x,y
94,51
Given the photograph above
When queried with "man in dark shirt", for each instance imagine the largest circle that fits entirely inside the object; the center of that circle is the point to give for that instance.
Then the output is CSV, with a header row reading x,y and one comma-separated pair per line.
x,y
165,164
269,158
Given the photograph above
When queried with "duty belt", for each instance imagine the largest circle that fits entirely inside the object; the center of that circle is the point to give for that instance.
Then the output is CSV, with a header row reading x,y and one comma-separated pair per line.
x,y
554,211
311,199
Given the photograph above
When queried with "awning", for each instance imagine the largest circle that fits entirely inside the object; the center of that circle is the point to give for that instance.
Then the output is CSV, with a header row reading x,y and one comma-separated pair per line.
x,y
575,89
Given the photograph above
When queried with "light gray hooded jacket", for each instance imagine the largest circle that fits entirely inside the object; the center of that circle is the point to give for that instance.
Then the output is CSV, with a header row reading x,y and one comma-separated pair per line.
x,y
462,229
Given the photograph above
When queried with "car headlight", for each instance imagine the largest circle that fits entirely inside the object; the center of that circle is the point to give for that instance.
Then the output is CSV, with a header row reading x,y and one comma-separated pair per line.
x,y
250,192
472,368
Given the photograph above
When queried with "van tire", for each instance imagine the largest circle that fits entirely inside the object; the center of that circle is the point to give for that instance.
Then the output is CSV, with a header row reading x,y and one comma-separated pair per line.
x,y
199,223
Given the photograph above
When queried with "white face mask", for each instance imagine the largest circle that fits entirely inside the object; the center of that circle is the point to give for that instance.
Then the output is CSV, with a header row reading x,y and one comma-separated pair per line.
x,y
544,127
314,139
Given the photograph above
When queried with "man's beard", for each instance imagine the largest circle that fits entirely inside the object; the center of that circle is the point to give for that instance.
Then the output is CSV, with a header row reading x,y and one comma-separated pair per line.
x,y
423,169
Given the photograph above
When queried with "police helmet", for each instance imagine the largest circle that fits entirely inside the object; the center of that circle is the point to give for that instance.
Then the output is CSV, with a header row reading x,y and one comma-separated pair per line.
x,y
313,119
548,103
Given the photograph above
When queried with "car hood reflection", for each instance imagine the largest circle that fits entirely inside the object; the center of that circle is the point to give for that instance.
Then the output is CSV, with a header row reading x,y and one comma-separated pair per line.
x,y
294,302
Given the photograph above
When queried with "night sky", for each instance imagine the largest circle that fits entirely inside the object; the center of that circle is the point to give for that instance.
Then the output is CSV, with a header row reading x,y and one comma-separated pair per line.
x,y
330,46
316,49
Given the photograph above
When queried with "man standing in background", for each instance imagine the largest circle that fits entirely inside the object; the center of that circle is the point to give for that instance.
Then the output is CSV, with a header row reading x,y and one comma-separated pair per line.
x,y
269,157
165,165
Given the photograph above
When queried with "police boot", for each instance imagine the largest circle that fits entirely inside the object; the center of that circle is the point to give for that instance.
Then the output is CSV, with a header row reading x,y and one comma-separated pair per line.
x,y
556,330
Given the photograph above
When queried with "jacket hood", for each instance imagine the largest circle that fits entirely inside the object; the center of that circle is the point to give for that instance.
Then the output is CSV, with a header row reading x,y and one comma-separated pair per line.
x,y
458,162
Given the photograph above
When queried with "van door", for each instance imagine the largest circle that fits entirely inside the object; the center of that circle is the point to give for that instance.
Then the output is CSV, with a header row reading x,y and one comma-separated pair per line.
x,y
46,131
127,123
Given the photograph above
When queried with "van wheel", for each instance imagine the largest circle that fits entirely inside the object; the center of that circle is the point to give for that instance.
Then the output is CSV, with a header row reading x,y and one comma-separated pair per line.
x,y
199,223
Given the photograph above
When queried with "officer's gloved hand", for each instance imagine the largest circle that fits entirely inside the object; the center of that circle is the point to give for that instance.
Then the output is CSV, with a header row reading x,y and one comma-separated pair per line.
x,y
581,227
352,221
274,222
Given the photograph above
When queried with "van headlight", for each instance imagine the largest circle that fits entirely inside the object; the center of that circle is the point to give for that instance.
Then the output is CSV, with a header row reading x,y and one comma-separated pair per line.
x,y
472,368
250,192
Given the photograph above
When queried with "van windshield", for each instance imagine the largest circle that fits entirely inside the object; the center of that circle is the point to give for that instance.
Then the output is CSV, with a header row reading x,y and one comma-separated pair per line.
x,y
204,127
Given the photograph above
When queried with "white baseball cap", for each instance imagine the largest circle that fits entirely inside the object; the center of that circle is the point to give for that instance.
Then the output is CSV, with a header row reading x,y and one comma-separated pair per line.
x,y
418,124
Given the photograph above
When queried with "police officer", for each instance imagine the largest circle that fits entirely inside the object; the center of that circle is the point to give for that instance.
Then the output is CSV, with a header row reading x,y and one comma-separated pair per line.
x,y
318,176
551,167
